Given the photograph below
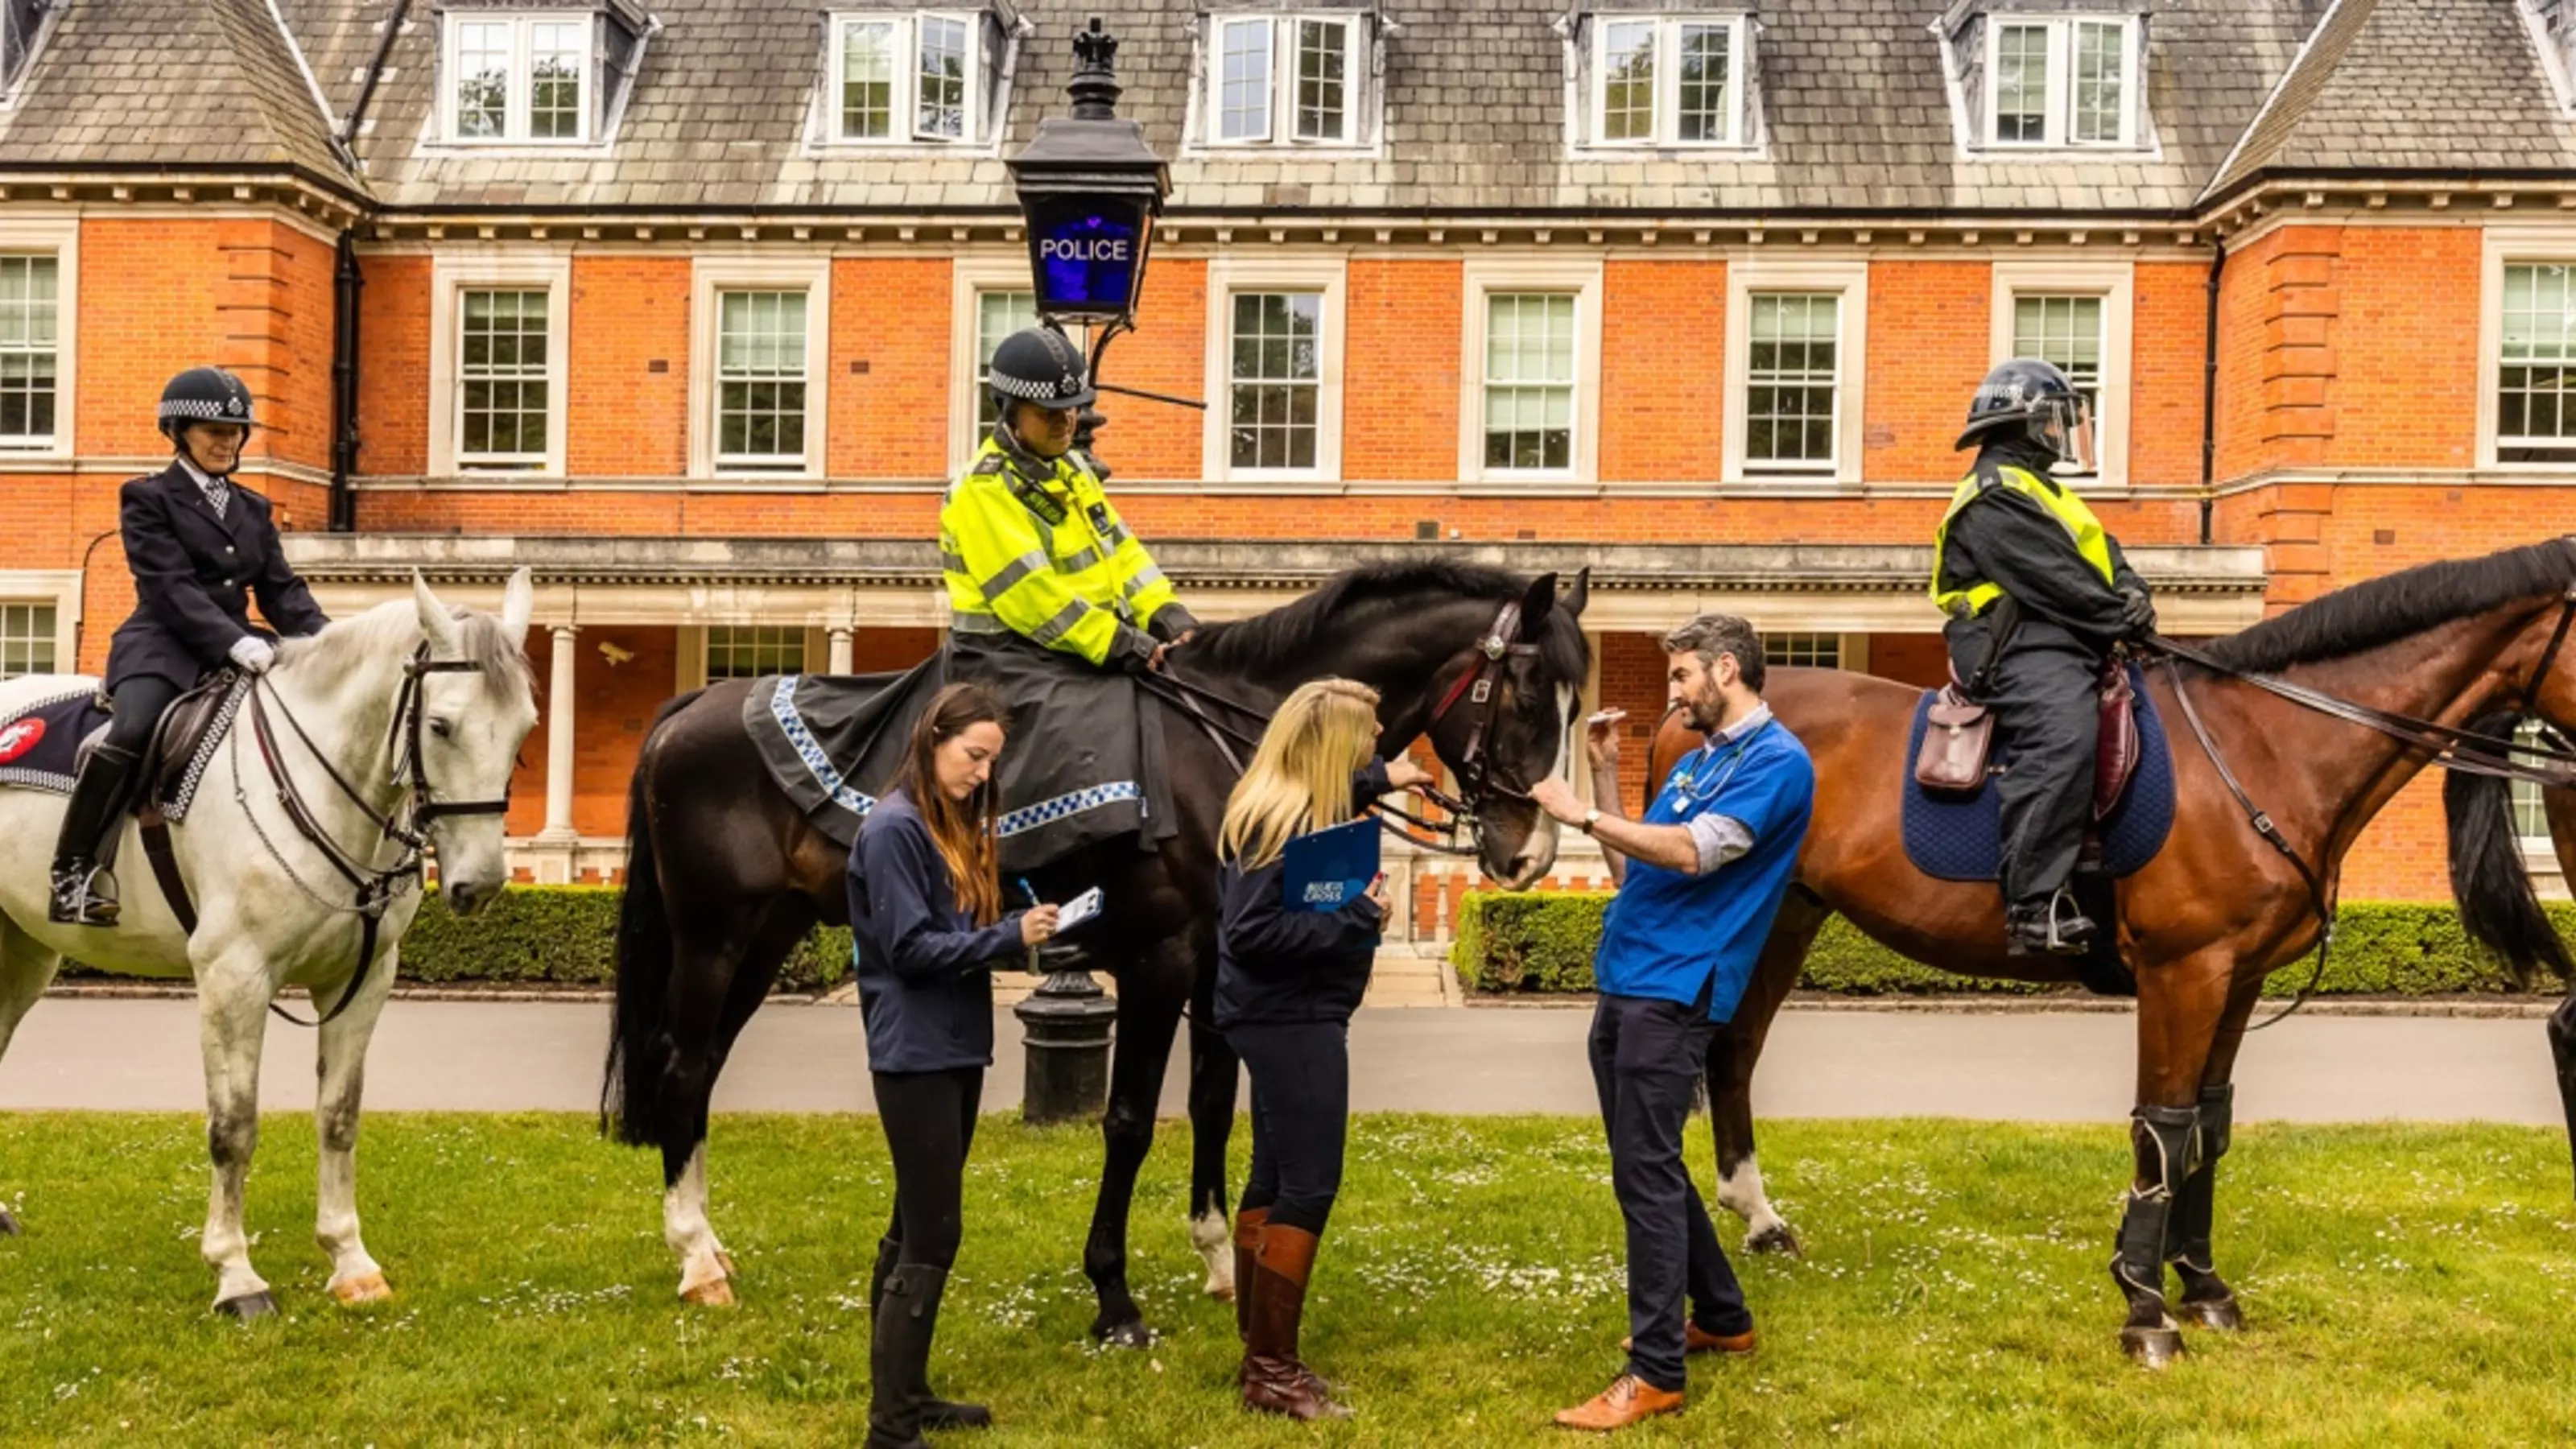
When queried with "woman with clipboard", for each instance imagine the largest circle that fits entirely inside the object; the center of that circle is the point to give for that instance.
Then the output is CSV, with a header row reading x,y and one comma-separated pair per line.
x,y
927,925
1290,970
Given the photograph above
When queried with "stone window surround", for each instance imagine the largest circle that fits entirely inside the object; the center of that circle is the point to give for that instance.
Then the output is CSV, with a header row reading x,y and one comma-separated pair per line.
x,y
1579,277
453,273
515,114
2115,284
61,590
1850,279
1227,275
2061,82
711,274
2502,246
38,233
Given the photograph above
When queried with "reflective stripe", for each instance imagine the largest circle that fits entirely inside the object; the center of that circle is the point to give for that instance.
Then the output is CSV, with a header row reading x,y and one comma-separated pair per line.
x,y
1078,562
1017,569
976,623
2071,512
1061,624
954,562
1151,576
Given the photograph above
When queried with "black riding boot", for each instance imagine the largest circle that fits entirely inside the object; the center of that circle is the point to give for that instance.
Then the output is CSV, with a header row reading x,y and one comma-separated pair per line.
x,y
85,894
936,1412
2059,928
899,1356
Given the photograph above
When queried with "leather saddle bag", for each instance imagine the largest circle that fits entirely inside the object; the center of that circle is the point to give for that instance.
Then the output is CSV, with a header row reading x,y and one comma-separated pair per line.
x,y
1956,739
2115,747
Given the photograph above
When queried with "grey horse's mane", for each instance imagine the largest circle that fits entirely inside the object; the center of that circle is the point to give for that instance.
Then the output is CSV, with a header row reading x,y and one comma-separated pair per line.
x,y
394,626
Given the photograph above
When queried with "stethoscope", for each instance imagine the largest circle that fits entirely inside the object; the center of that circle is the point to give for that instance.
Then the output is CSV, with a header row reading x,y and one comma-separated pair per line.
x,y
1733,760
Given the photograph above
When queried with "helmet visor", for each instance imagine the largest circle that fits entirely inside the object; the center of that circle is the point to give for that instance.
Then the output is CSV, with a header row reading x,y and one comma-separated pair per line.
x,y
2065,427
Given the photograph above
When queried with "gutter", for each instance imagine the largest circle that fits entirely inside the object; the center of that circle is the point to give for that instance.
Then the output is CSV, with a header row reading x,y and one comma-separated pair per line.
x,y
2209,391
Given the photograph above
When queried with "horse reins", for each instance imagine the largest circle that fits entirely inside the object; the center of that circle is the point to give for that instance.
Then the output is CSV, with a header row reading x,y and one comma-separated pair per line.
x,y
375,887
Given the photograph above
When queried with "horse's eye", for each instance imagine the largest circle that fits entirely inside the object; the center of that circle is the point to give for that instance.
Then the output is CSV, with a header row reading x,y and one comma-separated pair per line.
x,y
440,728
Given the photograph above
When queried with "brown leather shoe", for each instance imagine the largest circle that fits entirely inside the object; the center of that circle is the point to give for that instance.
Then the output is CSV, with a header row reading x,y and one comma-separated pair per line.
x,y
1274,1381
1697,1340
1628,1400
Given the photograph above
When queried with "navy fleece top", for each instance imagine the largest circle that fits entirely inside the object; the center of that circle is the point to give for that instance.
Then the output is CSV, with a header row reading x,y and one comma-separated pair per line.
x,y
1275,965
925,984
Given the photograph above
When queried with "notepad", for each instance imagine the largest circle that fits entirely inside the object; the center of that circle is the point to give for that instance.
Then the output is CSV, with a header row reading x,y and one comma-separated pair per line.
x,y
1078,910
1331,868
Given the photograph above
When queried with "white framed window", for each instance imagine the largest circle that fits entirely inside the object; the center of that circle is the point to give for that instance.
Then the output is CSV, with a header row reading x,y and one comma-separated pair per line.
x,y
748,651
1668,80
1531,377
513,78
999,312
2530,817
1284,80
906,78
499,329
39,617
1275,359
39,284
1796,337
1802,651
760,333
26,639
2078,315
989,300
2062,82
2527,349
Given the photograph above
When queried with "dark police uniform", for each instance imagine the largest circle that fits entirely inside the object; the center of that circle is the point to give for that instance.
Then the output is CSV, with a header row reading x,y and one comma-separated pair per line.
x,y
195,574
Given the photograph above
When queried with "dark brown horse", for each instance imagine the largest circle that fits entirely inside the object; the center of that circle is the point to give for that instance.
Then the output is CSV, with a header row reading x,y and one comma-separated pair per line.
x,y
725,876
2560,808
2463,644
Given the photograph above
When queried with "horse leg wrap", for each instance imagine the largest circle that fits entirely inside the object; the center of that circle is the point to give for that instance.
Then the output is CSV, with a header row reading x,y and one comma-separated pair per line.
x,y
2166,1140
2196,1205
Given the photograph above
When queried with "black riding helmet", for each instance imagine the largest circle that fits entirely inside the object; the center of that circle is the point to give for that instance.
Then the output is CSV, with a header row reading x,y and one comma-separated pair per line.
x,y
204,395
2034,396
1039,365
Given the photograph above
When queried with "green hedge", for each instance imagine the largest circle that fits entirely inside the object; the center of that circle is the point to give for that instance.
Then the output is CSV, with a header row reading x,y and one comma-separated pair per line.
x,y
564,936
1539,942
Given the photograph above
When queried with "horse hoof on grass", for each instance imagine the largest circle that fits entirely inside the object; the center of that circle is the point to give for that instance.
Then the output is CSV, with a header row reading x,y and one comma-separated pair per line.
x,y
1125,1335
714,1293
2218,1313
1775,1239
249,1307
9,1225
2153,1348
1221,1292
370,1288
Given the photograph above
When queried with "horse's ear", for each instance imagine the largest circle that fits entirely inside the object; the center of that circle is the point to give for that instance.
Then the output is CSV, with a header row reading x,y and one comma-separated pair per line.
x,y
518,605
1535,602
435,621
1580,594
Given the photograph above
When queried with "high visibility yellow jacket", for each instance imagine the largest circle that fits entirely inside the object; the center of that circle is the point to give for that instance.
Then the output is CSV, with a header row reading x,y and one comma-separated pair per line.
x,y
1046,557
1954,595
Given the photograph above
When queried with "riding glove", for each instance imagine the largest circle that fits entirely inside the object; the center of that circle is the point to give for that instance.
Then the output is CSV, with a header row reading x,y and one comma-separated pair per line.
x,y
253,654
2137,614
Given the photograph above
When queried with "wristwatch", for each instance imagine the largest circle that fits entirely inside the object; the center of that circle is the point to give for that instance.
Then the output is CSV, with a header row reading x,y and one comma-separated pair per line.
x,y
1591,818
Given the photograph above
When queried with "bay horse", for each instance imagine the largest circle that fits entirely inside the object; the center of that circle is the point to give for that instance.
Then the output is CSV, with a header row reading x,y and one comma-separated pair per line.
x,y
388,732
2559,807
2469,643
724,875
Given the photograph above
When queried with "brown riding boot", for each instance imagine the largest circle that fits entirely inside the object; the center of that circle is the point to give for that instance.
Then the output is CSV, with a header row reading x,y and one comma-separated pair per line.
x,y
1247,1235
1628,1400
1697,1340
1274,1381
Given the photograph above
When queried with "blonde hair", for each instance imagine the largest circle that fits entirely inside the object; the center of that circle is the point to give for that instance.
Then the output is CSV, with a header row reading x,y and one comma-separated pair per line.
x,y
1300,778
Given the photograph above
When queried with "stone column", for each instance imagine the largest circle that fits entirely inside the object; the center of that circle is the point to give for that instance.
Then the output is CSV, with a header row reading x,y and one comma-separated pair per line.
x,y
837,660
561,718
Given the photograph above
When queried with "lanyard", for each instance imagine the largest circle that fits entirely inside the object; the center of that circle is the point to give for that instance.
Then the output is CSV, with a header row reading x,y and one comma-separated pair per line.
x,y
1733,760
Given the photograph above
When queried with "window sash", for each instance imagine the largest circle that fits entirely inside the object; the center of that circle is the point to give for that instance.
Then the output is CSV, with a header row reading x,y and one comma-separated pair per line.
x,y
761,377
1803,651
1275,378
30,349
2098,93
865,83
504,377
999,312
529,82
2062,82
26,640
1529,381
1625,82
2530,817
2066,330
1667,80
1793,383
1704,104
1243,79
907,78
943,76
2536,365
1319,83
748,651
2019,113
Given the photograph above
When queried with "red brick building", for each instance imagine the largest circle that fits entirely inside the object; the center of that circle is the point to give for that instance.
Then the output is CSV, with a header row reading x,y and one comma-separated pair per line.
x,y
682,302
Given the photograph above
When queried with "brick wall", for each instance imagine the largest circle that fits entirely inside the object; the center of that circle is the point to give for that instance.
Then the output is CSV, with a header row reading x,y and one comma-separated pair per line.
x,y
1930,335
889,368
1400,370
1656,422
622,418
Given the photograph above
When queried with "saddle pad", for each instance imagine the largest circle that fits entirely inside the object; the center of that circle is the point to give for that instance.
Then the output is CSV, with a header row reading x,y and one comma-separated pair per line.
x,y
40,744
1960,837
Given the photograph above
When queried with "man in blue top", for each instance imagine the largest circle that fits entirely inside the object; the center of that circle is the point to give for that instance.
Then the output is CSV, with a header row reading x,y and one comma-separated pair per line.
x,y
1700,879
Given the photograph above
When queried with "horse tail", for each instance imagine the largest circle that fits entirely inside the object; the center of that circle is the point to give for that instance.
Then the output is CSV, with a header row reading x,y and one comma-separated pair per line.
x,y
630,1090
2489,878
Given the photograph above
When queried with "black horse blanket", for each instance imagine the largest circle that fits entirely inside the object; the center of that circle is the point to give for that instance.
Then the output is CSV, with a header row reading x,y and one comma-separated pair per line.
x,y
1084,763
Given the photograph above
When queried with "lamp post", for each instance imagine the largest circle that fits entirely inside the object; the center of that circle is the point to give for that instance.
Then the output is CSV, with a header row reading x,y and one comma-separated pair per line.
x,y
1090,188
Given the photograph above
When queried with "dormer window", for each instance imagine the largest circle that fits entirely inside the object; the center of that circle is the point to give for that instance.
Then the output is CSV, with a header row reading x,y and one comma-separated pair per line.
x,y
1667,80
1286,80
21,22
521,78
2061,81
905,78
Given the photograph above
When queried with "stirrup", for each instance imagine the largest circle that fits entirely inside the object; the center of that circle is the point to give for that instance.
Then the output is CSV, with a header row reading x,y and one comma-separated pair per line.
x,y
83,895
2070,931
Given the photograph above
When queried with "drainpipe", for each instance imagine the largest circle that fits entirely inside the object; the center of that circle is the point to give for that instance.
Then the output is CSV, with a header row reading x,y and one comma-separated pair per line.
x,y
2209,389
346,283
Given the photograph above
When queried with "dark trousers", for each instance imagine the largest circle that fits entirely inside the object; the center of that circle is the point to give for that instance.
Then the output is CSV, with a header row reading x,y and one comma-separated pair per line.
x,y
1645,1057
140,703
1301,1117
2045,696
929,1124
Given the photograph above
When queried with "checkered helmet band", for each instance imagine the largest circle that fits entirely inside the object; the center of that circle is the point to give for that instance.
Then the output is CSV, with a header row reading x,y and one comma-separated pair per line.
x,y
205,395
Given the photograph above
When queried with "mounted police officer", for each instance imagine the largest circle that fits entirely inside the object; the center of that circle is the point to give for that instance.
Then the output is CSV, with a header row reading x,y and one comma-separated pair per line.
x,y
200,546
2038,594
1054,603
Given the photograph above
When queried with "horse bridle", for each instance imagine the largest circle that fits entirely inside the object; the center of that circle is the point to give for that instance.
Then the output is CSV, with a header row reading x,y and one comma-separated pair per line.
x,y
1480,685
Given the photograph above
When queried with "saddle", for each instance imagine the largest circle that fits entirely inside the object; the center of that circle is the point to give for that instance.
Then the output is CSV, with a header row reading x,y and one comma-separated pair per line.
x,y
182,743
1960,737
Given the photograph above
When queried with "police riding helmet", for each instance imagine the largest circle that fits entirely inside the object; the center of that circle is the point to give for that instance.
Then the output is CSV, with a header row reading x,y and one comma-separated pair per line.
x,y
2035,397
203,395
1039,365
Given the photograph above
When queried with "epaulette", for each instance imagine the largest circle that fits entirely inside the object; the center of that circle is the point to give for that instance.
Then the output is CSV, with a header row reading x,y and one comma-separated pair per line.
x,y
989,464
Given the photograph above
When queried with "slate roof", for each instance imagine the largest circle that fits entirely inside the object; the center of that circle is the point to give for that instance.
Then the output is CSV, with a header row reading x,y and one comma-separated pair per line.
x,y
1856,112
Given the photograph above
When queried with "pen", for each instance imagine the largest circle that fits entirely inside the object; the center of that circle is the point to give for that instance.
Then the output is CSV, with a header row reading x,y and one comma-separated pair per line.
x,y
1026,889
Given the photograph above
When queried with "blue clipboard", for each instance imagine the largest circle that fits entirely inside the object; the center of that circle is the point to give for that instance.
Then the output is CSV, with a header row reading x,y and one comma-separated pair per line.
x,y
1331,868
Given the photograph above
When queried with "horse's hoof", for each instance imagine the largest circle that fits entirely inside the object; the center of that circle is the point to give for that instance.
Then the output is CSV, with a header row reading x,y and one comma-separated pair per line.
x,y
1126,1335
9,1225
714,1293
1221,1292
249,1307
724,1260
2154,1348
2218,1313
1776,1238
368,1288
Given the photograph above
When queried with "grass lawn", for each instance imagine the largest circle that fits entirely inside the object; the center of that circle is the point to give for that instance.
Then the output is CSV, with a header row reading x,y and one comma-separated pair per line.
x,y
2402,1286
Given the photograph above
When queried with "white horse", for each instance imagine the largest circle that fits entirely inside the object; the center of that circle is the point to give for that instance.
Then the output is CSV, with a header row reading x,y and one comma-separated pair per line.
x,y
420,710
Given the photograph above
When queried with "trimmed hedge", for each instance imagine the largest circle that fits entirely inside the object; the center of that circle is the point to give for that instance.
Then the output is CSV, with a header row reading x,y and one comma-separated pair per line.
x,y
1541,942
563,936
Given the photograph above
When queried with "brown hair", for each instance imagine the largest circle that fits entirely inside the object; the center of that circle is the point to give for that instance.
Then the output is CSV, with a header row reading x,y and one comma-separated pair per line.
x,y
961,830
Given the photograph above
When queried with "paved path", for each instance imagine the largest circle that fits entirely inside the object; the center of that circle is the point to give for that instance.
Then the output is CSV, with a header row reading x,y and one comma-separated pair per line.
x,y
507,1056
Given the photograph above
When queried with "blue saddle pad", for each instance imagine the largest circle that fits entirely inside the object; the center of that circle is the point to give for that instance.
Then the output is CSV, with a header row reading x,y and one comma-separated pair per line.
x,y
40,740
1960,837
